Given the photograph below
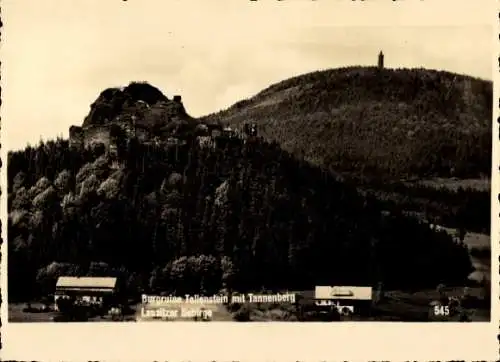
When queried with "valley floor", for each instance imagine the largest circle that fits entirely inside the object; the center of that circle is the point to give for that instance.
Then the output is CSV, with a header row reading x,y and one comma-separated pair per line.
x,y
396,305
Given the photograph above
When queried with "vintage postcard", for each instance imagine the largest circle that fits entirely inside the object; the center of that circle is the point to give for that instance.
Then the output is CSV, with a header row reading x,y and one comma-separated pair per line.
x,y
263,180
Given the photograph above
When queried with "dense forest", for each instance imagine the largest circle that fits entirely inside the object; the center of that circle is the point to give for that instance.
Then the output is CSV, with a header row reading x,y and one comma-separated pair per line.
x,y
380,128
380,124
238,214
464,207
247,216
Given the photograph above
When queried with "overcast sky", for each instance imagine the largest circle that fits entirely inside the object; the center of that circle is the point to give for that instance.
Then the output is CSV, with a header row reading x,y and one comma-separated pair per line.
x,y
58,55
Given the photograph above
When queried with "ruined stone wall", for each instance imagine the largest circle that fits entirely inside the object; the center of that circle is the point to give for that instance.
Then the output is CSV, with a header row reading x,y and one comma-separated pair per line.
x,y
142,134
93,134
138,131
85,137
76,136
97,134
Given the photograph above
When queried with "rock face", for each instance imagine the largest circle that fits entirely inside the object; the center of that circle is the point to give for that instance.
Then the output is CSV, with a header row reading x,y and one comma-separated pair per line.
x,y
113,102
139,109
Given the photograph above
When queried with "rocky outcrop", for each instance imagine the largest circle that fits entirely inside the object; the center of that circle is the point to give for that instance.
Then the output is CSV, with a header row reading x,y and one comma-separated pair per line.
x,y
140,110
113,102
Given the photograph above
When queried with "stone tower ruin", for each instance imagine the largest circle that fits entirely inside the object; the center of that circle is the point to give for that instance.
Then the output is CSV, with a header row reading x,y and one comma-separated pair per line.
x,y
380,60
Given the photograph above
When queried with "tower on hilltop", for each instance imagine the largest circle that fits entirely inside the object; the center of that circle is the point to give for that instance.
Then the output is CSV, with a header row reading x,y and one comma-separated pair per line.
x,y
380,60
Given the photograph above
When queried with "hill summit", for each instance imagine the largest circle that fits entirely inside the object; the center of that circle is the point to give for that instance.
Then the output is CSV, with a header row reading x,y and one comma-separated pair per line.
x,y
377,122
113,102
139,110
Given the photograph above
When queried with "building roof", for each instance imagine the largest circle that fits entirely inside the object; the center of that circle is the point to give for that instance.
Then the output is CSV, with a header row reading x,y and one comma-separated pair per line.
x,y
86,282
343,292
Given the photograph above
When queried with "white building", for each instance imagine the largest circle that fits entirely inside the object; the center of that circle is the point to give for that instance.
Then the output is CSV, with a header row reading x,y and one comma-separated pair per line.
x,y
88,290
345,298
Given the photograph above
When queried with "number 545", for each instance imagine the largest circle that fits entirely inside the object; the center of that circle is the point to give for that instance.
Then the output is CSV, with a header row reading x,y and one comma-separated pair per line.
x,y
441,310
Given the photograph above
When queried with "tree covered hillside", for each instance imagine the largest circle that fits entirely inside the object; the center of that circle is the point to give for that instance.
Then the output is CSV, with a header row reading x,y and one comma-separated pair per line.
x,y
187,217
371,123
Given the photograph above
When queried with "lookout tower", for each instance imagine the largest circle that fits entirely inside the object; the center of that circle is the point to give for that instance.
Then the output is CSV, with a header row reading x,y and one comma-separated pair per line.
x,y
381,60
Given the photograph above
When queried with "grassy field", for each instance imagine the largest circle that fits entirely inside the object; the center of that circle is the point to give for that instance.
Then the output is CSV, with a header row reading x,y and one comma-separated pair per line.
x,y
16,315
453,184
414,306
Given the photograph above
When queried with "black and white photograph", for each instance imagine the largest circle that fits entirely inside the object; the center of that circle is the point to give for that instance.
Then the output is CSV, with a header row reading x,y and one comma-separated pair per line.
x,y
247,161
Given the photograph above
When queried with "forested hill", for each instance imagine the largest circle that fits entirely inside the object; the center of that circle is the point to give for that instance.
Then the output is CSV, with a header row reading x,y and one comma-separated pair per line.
x,y
372,123
182,215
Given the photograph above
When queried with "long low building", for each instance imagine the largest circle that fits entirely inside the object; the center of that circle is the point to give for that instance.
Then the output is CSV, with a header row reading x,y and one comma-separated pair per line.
x,y
87,290
343,293
347,299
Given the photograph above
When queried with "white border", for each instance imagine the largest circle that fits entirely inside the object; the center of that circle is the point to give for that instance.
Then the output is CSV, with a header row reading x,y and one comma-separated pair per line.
x,y
226,341
278,341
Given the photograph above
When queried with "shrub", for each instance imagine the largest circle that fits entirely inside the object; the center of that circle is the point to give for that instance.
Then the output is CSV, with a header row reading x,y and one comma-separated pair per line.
x,y
243,314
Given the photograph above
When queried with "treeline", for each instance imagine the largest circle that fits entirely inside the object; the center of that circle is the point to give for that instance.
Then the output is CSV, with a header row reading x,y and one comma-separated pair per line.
x,y
461,208
186,218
